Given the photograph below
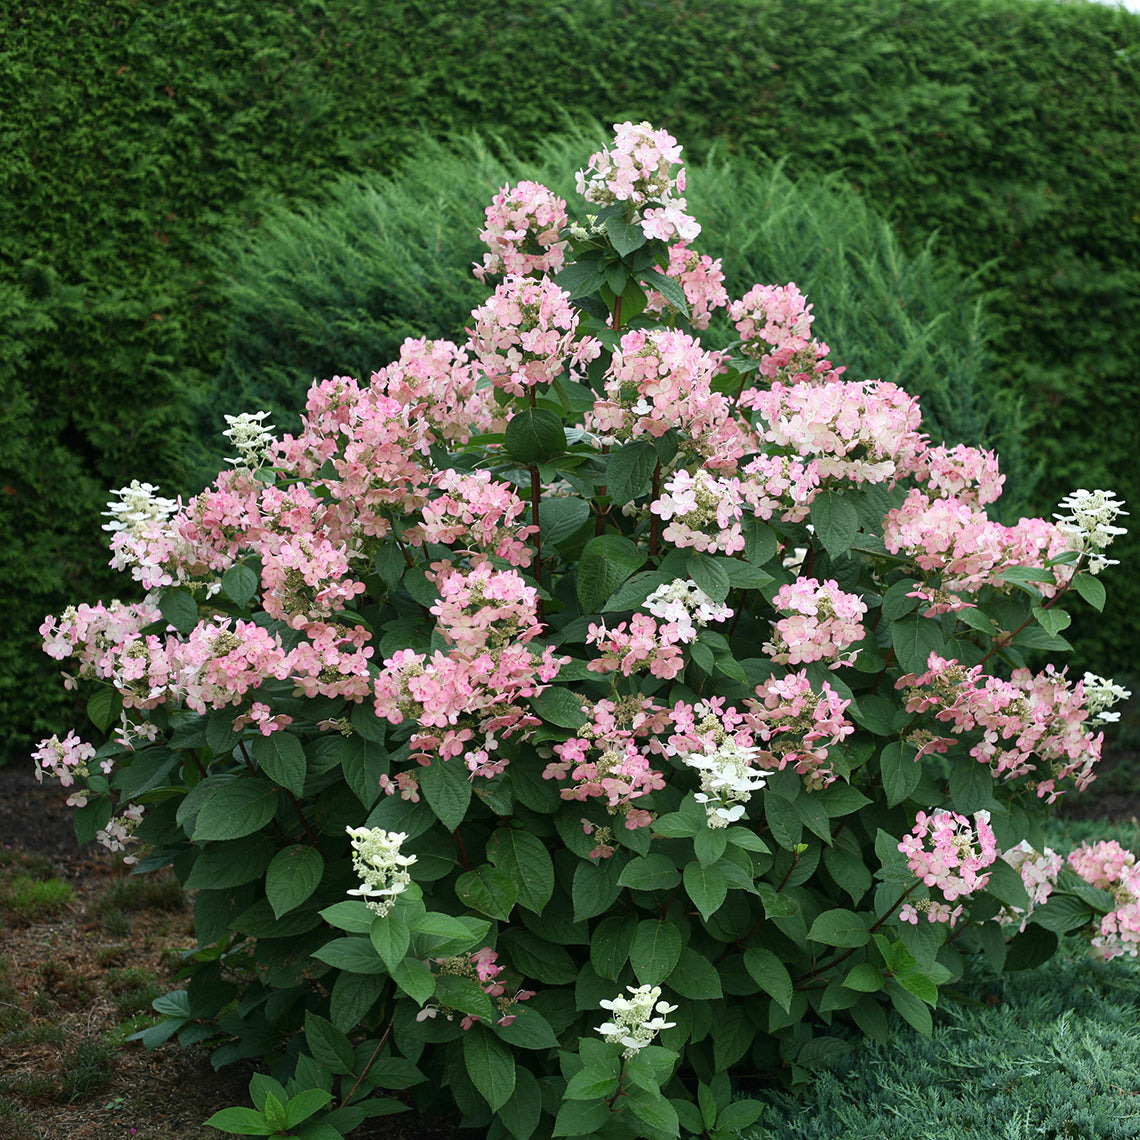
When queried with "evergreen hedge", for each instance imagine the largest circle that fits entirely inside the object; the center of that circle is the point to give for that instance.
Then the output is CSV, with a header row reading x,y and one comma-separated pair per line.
x,y
135,135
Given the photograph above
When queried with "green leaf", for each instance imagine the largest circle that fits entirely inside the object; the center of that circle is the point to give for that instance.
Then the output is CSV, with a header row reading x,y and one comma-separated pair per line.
x,y
236,809
243,1121
391,938
709,575
912,1009
1031,948
595,886
760,540
522,1112
706,885
230,863
1091,589
535,435
672,291
695,977
239,584
349,915
560,517
363,762
281,757
390,564
415,978
655,951
179,608
447,789
488,890
634,592
581,1117
591,1084
353,995
304,1104
865,978
896,604
655,1110
839,927
914,639
529,1030
1052,621
327,1044
103,707
770,974
650,873
624,236
355,954
611,944
901,773
559,706
836,521
525,859
1063,913
293,876
629,471
607,561
580,278
490,1066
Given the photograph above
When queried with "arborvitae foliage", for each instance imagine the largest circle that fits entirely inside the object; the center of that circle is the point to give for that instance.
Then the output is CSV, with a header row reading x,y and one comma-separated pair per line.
x,y
135,134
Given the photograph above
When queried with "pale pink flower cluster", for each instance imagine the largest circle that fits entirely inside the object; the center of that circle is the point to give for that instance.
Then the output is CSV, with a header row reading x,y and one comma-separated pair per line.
x,y
605,761
261,715
866,432
465,700
63,760
798,726
524,335
437,385
966,474
1038,871
1031,725
778,484
94,635
523,229
638,171
956,539
660,379
704,512
476,511
824,622
641,643
945,850
702,279
119,831
774,323
1109,867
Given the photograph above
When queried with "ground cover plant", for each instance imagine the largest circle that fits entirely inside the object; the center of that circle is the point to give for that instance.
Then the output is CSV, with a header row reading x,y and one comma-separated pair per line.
x,y
569,717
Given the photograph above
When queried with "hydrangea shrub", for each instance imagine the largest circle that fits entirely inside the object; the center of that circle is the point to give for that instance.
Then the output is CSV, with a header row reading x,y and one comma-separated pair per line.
x,y
570,719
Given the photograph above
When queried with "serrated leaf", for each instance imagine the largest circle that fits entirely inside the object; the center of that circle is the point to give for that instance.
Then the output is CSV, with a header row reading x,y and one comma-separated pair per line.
x,y
896,603
243,1121
488,890
611,944
706,886
559,706
490,1066
103,707
236,809
327,1044
390,937
353,995
770,974
626,237
355,954
655,951
240,583
650,873
1091,589
836,521
695,977
839,927
534,435
914,639
560,517
525,859
281,757
292,877
447,789
901,773
629,471
607,561
179,608
709,575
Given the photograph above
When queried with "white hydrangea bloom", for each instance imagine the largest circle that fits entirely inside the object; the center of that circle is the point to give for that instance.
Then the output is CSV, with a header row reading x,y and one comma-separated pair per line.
x,y
1089,524
251,437
684,604
138,507
727,781
382,869
633,1023
1101,694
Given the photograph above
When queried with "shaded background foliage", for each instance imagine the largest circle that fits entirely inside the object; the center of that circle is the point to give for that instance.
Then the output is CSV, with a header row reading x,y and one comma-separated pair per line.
x,y
139,139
